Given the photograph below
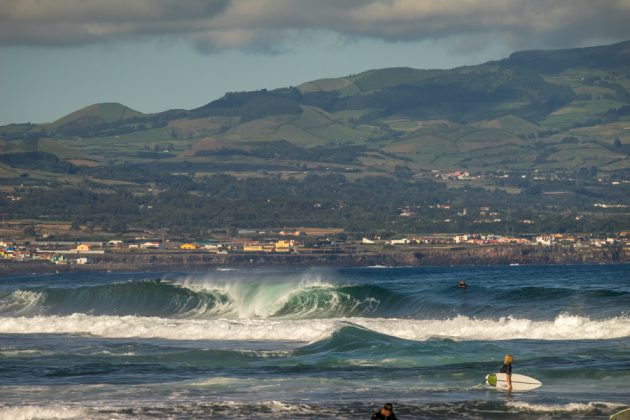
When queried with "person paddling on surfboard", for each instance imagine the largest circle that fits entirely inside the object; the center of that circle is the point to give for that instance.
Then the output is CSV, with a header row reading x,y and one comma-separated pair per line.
x,y
507,369
385,413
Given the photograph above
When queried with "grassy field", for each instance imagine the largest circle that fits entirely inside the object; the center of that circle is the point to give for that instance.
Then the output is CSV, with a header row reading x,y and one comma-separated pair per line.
x,y
579,111
511,124
60,150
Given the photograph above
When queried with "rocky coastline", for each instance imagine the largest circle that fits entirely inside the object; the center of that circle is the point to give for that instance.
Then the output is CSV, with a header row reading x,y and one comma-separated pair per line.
x,y
415,257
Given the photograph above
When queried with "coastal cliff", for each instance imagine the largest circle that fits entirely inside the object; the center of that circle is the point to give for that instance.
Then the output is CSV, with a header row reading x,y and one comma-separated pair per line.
x,y
418,256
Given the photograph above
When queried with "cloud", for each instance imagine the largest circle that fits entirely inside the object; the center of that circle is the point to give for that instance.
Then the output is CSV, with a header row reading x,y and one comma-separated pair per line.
x,y
269,25
79,22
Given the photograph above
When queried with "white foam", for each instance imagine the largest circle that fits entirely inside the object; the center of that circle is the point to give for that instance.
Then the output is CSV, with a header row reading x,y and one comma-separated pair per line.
x,y
248,299
175,329
19,301
569,407
109,353
28,412
276,407
564,327
21,353
280,407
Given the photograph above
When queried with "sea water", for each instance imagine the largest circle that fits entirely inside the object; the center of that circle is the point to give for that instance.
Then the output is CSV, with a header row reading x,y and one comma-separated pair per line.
x,y
300,343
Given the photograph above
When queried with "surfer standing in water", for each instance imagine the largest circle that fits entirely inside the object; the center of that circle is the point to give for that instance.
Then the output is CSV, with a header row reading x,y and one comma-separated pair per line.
x,y
507,369
385,413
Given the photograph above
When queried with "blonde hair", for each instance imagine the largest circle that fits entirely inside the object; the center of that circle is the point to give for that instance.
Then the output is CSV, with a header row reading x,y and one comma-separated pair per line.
x,y
507,359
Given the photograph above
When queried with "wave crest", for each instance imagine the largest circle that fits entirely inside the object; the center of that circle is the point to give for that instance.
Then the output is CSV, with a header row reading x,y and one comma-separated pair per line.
x,y
144,298
19,302
244,297
462,328
203,298
594,408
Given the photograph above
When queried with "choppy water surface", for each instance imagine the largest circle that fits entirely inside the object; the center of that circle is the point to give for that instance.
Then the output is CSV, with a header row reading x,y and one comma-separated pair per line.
x,y
313,343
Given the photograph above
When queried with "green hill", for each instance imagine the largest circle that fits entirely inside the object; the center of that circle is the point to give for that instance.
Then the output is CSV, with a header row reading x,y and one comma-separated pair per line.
x,y
557,61
104,112
368,81
94,117
510,113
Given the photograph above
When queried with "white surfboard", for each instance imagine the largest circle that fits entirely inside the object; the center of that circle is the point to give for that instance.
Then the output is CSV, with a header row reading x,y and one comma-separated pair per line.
x,y
519,382
622,415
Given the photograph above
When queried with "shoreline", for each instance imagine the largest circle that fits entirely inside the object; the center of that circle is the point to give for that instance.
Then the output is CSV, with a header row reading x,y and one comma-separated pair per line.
x,y
415,257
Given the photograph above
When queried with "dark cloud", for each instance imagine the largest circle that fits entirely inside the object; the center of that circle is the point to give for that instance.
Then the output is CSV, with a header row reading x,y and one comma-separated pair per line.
x,y
78,22
267,25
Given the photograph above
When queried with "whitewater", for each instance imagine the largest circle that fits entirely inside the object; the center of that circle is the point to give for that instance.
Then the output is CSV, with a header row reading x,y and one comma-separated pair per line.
x,y
564,327
314,342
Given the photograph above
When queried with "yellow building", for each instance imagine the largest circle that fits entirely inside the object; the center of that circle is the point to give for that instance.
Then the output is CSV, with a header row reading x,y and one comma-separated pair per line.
x,y
268,248
282,246
188,246
253,248
83,248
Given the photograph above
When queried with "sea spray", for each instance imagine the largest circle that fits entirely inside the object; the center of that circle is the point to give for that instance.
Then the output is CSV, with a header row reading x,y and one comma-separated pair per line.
x,y
19,302
257,297
458,328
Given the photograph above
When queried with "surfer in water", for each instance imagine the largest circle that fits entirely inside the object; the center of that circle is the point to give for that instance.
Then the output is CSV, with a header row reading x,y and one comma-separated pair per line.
x,y
462,284
507,369
385,413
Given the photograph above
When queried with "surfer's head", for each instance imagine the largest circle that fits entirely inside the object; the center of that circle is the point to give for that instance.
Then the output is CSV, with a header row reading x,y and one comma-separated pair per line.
x,y
507,359
387,409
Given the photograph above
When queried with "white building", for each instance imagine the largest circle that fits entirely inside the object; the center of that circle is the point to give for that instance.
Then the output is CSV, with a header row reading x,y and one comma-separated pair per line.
x,y
461,238
544,240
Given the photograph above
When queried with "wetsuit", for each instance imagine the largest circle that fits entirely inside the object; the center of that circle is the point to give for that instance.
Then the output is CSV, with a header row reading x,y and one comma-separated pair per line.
x,y
378,416
507,369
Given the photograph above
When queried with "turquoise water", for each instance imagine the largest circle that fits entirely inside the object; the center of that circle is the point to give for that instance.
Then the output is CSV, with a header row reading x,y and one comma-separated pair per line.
x,y
315,342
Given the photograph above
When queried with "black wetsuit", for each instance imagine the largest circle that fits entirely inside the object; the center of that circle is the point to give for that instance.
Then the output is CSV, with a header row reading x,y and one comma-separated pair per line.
x,y
378,416
507,369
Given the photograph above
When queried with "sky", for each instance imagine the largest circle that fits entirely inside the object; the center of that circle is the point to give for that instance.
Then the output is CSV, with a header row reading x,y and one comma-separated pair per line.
x,y
57,56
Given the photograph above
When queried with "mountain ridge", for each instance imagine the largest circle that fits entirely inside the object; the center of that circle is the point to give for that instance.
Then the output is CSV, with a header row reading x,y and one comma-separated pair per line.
x,y
527,103
590,56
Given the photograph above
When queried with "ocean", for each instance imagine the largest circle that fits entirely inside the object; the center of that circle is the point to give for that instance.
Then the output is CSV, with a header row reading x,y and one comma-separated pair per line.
x,y
315,343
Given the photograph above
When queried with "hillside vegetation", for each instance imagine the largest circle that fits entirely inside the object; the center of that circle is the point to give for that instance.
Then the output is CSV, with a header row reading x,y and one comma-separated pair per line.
x,y
536,124
471,117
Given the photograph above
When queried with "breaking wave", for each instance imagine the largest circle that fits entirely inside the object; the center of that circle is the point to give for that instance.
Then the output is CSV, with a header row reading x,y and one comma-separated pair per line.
x,y
564,327
204,299
28,412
